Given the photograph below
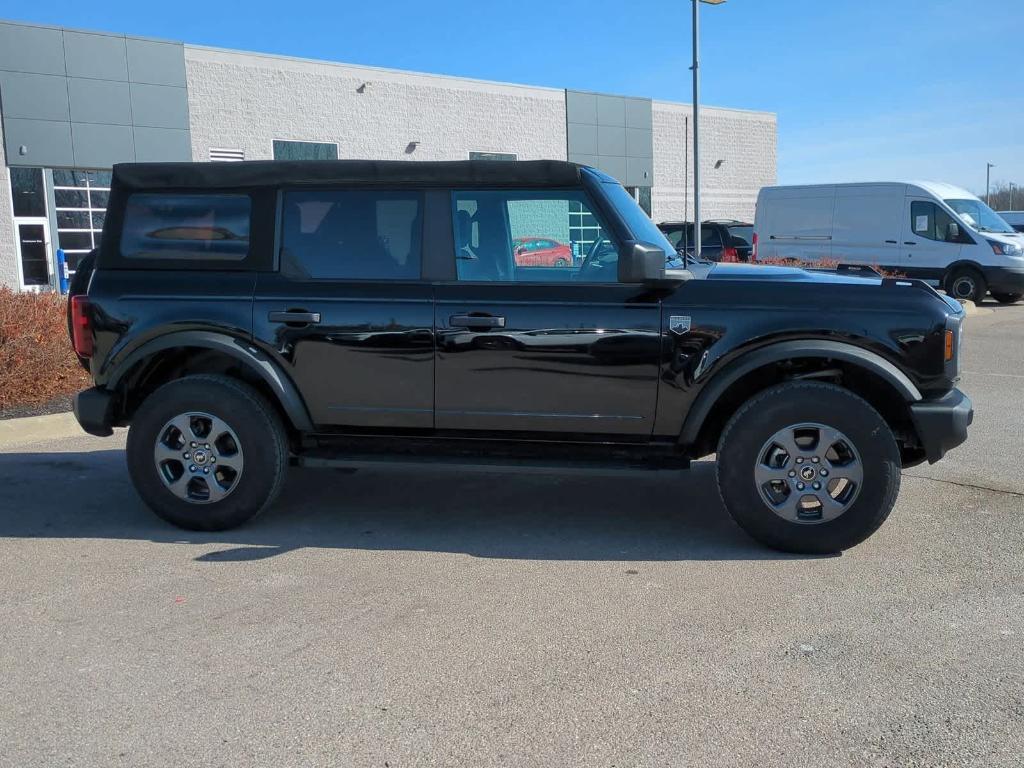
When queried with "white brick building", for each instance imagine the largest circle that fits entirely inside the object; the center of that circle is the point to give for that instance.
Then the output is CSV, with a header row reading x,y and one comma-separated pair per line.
x,y
257,106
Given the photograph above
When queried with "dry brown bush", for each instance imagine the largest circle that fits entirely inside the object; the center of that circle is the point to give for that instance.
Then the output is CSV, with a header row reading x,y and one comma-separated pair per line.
x,y
37,363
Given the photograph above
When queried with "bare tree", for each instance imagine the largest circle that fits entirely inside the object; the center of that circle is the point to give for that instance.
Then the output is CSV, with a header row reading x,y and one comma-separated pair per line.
x,y
1006,196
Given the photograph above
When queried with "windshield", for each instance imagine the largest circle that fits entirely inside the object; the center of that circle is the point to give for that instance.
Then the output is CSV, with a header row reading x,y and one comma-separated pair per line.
x,y
979,216
639,223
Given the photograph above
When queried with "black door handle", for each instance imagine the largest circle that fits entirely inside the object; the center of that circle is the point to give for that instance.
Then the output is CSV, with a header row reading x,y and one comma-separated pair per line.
x,y
476,321
910,242
294,317
891,241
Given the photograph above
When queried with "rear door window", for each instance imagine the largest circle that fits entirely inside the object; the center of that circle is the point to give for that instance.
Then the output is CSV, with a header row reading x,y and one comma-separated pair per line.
x,y
352,235
186,226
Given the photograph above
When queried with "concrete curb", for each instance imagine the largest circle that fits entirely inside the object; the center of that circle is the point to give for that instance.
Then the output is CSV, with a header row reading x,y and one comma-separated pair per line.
x,y
34,429
970,308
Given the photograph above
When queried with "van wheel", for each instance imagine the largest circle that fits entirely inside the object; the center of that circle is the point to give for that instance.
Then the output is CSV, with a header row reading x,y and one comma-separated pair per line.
x,y
1007,298
966,283
808,467
207,453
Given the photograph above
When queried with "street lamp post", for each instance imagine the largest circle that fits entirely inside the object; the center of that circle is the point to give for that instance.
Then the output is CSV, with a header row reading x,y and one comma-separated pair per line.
x,y
696,122
988,176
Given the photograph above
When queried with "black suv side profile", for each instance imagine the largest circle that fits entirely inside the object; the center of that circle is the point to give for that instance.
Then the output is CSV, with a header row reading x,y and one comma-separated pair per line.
x,y
243,317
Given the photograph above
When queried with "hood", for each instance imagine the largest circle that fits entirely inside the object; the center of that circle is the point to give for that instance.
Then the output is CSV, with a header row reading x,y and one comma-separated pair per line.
x,y
786,274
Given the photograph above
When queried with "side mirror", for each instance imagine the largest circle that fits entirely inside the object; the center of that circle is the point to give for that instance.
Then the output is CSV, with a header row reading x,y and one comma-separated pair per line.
x,y
953,232
641,263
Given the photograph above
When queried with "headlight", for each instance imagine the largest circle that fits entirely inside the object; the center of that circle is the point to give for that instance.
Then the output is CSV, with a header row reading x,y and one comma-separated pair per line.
x,y
1006,249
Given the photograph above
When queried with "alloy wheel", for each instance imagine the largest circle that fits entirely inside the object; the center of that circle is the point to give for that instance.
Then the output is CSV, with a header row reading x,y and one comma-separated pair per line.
x,y
198,457
808,473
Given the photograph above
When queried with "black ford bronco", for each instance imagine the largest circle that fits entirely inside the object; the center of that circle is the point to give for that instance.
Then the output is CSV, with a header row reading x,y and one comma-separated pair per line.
x,y
244,317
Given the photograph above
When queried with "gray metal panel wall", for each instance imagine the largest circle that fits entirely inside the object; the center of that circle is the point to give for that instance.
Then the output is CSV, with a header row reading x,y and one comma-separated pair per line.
x,y
88,100
612,133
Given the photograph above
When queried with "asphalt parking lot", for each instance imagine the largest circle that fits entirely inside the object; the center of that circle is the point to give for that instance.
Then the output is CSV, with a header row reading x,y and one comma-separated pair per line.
x,y
389,618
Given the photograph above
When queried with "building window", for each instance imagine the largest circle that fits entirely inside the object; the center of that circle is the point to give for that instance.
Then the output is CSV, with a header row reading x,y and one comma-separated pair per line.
x,y
27,192
80,206
305,150
491,156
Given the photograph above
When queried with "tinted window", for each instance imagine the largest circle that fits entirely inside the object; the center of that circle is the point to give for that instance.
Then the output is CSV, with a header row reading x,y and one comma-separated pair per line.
x,y
305,150
184,226
491,156
27,193
357,235
531,236
682,236
744,232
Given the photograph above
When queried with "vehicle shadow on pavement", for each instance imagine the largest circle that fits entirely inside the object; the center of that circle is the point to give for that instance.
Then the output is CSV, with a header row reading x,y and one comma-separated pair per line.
x,y
641,516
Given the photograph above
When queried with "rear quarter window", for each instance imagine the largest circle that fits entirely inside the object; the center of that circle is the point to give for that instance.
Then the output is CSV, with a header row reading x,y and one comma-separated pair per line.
x,y
188,227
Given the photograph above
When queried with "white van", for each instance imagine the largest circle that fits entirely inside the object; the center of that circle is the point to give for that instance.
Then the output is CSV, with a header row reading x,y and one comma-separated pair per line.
x,y
929,230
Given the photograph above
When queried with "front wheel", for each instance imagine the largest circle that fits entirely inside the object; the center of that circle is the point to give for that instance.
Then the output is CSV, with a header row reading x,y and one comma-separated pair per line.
x,y
1007,298
967,284
207,453
808,467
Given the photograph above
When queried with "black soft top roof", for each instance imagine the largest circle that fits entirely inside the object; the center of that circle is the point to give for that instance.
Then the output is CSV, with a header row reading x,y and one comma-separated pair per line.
x,y
272,173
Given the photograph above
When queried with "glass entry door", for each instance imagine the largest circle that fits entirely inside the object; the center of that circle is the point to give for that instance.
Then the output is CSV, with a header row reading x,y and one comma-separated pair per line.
x,y
32,236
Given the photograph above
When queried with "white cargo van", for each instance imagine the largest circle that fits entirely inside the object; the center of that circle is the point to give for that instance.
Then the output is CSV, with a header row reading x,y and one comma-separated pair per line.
x,y
929,230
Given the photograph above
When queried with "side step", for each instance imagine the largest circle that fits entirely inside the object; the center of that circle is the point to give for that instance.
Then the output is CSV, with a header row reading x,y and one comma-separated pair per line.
x,y
485,464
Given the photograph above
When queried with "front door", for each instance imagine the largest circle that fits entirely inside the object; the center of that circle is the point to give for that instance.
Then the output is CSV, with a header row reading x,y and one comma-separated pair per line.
x,y
531,348
929,244
346,313
32,236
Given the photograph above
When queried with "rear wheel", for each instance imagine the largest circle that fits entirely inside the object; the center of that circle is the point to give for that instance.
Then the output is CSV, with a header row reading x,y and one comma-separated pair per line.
x,y
1007,298
561,263
808,467
207,453
966,283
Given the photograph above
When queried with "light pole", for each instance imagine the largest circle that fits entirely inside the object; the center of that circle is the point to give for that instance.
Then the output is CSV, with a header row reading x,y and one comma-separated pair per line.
x,y
696,122
988,176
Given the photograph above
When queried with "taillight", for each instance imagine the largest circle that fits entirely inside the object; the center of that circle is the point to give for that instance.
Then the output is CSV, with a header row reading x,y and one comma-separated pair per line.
x,y
753,248
81,326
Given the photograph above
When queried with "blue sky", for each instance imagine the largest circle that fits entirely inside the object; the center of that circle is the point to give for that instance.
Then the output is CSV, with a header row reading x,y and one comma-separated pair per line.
x,y
863,89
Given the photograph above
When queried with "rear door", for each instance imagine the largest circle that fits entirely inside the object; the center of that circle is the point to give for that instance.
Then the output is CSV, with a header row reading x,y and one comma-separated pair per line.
x,y
541,349
346,313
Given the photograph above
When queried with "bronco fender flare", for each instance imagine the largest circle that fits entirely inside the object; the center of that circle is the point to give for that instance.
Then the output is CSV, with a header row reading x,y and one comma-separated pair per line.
x,y
247,354
788,350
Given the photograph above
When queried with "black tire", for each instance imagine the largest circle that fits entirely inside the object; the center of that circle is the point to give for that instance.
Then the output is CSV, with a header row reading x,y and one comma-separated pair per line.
x,y
803,402
966,283
1007,298
561,263
261,441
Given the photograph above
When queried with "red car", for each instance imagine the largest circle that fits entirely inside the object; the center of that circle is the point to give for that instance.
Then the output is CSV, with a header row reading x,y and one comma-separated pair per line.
x,y
541,252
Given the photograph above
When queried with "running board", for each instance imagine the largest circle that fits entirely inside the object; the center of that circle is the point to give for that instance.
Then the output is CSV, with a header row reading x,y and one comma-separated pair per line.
x,y
484,464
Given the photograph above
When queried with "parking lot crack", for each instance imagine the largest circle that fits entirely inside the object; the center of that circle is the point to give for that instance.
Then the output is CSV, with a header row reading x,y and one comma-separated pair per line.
x,y
974,486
